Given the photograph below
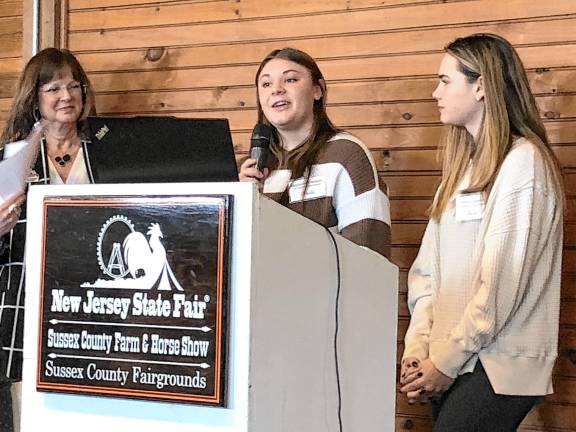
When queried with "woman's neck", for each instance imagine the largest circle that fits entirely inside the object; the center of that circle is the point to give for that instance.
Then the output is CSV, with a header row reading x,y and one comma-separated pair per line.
x,y
61,137
292,138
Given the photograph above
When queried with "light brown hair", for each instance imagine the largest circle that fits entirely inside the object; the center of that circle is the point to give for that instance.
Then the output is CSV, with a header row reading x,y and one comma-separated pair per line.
x,y
40,70
510,113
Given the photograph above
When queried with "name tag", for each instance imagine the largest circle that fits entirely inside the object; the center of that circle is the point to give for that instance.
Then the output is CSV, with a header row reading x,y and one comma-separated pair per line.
x,y
469,206
316,189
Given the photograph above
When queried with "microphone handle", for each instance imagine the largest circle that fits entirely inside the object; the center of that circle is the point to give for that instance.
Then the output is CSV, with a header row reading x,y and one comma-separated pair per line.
x,y
260,154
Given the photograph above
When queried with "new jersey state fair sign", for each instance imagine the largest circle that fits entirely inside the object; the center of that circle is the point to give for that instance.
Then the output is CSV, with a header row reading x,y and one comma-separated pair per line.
x,y
134,297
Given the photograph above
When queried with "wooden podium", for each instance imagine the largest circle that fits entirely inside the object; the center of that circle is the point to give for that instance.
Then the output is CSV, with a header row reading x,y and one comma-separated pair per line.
x,y
279,368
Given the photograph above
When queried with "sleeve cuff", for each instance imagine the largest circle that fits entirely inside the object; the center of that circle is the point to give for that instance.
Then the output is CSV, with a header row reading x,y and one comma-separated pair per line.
x,y
418,350
448,357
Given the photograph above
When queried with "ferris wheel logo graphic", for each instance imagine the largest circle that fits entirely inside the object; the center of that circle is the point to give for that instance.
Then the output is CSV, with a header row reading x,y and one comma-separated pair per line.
x,y
131,258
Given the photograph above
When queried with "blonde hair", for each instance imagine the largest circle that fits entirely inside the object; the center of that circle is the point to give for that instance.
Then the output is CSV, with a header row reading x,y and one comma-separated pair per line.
x,y
510,112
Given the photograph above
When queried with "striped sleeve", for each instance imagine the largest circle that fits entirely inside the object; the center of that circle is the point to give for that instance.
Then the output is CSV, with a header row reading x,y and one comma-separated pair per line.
x,y
362,208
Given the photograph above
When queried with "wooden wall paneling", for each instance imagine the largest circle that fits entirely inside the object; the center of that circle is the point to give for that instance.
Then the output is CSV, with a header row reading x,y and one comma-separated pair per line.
x,y
378,19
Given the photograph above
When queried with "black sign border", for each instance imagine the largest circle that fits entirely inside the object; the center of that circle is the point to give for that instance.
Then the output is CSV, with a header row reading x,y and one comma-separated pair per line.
x,y
223,288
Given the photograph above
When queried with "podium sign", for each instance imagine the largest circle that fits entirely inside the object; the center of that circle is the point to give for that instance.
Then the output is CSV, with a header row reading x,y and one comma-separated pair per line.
x,y
133,297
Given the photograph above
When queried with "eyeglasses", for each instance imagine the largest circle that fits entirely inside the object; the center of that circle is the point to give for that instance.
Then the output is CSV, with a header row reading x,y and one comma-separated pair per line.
x,y
72,88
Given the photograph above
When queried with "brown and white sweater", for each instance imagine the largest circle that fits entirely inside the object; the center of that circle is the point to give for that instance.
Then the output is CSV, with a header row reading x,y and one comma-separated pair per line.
x,y
343,193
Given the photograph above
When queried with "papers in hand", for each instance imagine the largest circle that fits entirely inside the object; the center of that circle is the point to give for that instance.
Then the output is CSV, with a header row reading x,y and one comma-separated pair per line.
x,y
19,158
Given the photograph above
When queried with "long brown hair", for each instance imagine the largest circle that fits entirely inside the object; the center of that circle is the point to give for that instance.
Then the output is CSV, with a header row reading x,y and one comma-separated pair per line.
x,y
304,156
510,112
40,70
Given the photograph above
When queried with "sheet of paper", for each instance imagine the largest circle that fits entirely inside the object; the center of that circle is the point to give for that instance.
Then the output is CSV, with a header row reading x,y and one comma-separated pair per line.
x,y
15,168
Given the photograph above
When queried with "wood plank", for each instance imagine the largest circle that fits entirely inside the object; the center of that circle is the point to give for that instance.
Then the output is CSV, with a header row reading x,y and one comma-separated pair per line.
x,y
569,285
11,65
410,209
375,115
403,256
568,312
407,233
570,183
173,13
5,105
409,17
11,37
426,159
569,260
413,424
374,137
378,91
548,415
566,362
286,5
564,391
559,132
403,186
11,8
407,160
569,225
94,4
403,306
8,83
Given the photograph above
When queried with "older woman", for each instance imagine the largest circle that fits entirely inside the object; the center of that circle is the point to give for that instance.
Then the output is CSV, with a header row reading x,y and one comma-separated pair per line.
x,y
54,89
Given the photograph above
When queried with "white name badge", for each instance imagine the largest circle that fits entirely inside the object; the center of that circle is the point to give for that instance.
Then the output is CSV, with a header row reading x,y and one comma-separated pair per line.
x,y
469,206
316,189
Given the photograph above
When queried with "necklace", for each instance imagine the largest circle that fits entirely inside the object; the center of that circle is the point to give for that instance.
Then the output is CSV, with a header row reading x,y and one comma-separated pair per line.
x,y
63,160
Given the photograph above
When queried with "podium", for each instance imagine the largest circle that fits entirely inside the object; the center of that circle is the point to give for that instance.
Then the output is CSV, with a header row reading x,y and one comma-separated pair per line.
x,y
306,346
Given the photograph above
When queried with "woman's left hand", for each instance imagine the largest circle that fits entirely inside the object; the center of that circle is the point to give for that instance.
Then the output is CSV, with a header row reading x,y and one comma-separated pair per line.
x,y
431,384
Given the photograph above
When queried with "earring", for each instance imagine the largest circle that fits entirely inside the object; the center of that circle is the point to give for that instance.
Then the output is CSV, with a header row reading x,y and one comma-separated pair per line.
x,y
36,114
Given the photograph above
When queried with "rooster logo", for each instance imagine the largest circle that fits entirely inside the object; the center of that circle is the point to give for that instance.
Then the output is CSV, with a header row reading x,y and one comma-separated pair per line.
x,y
147,259
138,262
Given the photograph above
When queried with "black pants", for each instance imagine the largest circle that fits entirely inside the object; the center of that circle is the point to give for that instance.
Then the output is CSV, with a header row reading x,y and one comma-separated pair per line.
x,y
6,422
471,405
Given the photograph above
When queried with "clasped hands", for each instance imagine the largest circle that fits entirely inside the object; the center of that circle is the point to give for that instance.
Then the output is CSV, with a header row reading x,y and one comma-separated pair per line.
x,y
421,382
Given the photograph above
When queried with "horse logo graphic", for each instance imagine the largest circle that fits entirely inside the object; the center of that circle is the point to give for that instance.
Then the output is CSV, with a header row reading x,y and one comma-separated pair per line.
x,y
137,262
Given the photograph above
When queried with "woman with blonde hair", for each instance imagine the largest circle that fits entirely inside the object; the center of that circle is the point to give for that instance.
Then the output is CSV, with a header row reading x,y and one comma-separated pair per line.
x,y
55,91
484,290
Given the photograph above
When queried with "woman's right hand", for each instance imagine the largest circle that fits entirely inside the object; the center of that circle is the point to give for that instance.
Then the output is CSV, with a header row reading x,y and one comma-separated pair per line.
x,y
409,370
10,212
249,173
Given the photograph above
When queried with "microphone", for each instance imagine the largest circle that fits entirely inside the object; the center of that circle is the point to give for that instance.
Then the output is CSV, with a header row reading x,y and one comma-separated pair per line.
x,y
260,144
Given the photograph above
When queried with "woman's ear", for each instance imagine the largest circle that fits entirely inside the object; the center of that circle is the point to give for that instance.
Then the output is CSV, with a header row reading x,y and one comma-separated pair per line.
x,y
319,89
480,89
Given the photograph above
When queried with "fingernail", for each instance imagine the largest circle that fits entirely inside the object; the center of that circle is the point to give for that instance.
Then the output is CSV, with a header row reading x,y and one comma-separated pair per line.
x,y
419,374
